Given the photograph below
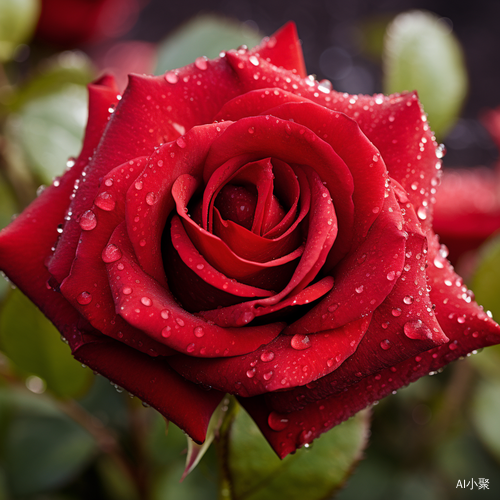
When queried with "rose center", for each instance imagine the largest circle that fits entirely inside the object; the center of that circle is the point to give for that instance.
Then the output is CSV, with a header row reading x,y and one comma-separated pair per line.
x,y
237,204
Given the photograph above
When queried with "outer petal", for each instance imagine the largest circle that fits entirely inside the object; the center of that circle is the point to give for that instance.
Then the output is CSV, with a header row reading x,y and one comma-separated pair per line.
x,y
189,406
21,259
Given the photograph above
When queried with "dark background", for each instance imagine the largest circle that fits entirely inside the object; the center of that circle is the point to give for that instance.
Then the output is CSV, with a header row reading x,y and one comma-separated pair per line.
x,y
332,36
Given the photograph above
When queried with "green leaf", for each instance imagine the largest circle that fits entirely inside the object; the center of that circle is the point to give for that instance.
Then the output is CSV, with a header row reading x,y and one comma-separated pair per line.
x,y
49,129
421,53
486,280
486,414
17,22
34,345
43,448
203,36
254,472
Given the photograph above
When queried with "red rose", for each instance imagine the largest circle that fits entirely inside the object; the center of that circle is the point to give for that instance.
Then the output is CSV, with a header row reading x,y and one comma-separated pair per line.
x,y
240,228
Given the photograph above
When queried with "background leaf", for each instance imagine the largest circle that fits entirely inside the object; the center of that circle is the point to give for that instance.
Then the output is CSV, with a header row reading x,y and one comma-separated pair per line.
x,y
256,473
203,36
17,22
41,447
421,53
34,345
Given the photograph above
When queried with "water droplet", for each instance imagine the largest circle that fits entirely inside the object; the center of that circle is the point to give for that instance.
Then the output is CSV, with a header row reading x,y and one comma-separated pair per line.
x,y
181,142
165,314
171,77
201,63
126,290
391,275
417,330
408,299
267,375
422,212
441,151
277,422
251,373
190,348
151,198
139,185
385,344
105,201
300,342
199,332
146,301
84,298
166,332
359,289
251,130
88,220
267,356
396,312
179,321
453,345
254,60
199,266
111,254
305,437
333,308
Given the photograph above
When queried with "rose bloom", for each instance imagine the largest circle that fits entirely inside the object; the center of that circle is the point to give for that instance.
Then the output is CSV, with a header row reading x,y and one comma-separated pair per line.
x,y
236,227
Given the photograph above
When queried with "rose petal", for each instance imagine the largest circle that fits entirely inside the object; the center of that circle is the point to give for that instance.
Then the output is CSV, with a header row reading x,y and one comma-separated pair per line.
x,y
284,363
148,306
87,287
283,49
150,379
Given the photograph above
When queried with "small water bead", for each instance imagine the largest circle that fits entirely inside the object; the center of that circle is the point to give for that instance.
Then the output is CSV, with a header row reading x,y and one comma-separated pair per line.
x,y
108,182
268,375
417,330
139,185
396,312
251,373
151,199
198,332
461,319
391,275
190,348
300,342
453,345
254,60
408,299
171,77
199,266
105,201
146,301
422,212
166,332
180,142
360,289
84,298
179,321
165,314
267,356
201,63
142,242
120,266
385,344
277,422
111,253
333,308
126,290
441,151
88,220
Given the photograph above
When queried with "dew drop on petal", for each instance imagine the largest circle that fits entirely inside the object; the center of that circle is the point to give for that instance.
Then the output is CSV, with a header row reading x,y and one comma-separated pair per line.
x,y
166,332
151,199
408,299
199,332
190,348
165,313
417,330
105,201
146,301
251,373
84,298
277,422
300,342
385,344
267,356
171,77
391,275
201,63
88,220
396,312
111,253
